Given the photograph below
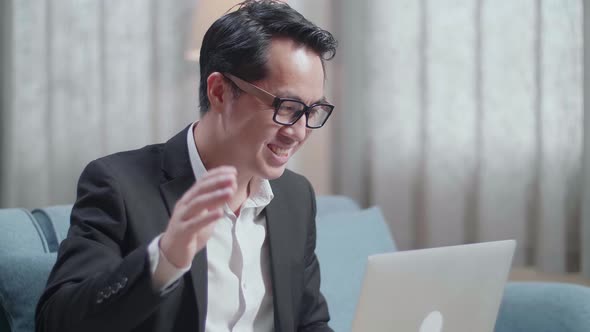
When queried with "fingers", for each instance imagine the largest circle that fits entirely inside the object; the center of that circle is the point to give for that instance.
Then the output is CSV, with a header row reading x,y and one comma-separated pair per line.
x,y
198,208
210,184
217,178
197,223
209,201
182,240
212,191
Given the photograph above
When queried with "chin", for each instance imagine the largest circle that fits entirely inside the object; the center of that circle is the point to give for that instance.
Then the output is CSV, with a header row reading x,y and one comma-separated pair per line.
x,y
271,173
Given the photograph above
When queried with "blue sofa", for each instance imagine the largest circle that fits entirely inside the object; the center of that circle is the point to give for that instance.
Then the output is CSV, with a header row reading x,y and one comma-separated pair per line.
x,y
29,239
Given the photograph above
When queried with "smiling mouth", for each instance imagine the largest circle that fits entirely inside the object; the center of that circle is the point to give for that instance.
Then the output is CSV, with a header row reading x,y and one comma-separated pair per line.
x,y
278,151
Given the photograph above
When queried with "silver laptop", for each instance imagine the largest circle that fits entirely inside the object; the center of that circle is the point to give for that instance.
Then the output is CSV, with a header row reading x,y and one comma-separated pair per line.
x,y
448,289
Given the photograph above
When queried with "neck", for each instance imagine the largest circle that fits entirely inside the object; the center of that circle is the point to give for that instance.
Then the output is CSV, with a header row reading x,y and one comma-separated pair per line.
x,y
213,154
241,194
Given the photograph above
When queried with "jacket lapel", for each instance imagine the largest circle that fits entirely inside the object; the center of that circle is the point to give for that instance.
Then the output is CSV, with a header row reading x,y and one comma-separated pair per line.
x,y
178,177
277,217
199,277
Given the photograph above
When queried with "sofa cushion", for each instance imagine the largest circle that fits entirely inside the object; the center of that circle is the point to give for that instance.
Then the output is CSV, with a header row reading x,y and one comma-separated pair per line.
x,y
22,280
544,307
344,241
19,231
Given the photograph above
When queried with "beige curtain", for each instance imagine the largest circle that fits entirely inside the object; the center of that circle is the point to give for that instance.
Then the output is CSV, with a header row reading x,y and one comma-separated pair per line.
x,y
84,78
585,234
463,120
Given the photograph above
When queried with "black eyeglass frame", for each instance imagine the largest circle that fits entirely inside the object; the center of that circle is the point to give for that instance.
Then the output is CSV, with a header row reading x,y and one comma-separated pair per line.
x,y
276,102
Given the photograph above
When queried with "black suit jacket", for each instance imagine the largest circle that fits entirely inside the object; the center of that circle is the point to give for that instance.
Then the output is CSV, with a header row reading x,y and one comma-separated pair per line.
x,y
102,281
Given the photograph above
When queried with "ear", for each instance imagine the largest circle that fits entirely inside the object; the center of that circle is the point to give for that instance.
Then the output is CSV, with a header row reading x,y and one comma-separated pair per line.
x,y
217,91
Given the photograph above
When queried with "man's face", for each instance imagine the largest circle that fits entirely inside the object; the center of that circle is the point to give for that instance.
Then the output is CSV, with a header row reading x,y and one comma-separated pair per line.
x,y
259,146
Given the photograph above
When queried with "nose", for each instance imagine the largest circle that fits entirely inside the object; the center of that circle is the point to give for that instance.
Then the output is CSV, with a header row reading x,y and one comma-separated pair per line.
x,y
298,130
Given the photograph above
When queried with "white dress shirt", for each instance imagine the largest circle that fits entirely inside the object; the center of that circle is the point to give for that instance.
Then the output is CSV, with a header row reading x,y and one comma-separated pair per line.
x,y
238,275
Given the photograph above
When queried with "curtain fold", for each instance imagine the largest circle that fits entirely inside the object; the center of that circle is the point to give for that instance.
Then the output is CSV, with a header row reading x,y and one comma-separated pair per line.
x,y
463,120
88,78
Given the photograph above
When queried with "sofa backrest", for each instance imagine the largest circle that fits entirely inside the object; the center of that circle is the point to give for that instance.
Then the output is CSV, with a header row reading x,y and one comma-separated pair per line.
x,y
346,236
340,220
28,242
335,204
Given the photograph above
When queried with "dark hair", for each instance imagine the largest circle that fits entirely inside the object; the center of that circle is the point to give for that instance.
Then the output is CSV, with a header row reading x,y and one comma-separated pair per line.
x,y
238,42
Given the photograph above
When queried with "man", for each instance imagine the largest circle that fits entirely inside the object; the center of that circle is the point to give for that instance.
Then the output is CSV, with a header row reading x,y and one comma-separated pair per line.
x,y
208,232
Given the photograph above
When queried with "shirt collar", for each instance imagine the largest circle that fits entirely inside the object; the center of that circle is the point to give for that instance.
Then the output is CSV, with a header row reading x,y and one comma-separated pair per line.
x,y
260,191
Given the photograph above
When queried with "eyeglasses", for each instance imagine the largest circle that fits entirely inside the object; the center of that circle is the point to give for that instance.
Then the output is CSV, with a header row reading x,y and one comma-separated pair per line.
x,y
287,111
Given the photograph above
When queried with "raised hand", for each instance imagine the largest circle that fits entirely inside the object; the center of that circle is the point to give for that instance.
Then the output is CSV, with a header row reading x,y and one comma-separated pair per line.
x,y
195,215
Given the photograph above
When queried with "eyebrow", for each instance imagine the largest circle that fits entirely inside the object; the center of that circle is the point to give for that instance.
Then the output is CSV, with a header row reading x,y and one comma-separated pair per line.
x,y
280,94
261,93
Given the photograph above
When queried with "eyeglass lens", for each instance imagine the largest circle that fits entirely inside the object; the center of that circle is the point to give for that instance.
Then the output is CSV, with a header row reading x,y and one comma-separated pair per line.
x,y
289,111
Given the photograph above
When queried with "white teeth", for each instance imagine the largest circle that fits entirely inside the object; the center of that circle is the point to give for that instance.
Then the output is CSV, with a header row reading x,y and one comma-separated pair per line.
x,y
279,151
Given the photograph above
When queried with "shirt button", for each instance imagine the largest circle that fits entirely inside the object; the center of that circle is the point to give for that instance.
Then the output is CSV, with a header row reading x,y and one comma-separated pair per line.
x,y
244,285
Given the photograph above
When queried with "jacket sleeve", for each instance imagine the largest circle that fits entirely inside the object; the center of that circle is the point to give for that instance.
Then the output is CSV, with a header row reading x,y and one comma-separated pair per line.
x,y
93,284
314,315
